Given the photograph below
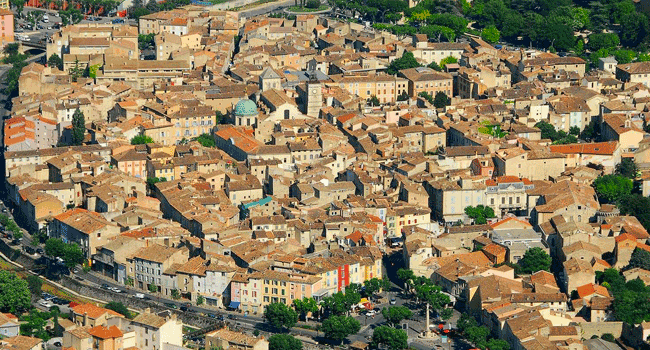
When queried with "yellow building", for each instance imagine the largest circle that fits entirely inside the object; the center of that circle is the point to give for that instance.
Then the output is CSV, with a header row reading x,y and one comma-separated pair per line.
x,y
386,87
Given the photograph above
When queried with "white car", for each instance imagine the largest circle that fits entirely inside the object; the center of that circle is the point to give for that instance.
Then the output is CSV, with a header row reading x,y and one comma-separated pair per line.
x,y
45,303
371,313
139,295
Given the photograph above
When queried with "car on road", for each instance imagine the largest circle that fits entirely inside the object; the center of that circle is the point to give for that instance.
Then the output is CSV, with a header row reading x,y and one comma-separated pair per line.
x,y
105,286
171,305
371,313
393,301
61,301
139,295
185,306
232,317
47,296
118,21
45,303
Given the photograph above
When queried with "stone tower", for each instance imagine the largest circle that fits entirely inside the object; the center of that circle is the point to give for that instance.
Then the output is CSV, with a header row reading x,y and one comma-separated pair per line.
x,y
314,91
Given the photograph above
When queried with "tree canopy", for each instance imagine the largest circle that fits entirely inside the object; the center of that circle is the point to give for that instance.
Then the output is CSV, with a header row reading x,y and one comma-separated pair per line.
x,y
391,338
284,342
612,188
406,61
535,259
279,315
119,308
15,296
141,140
627,167
339,327
638,206
395,314
78,127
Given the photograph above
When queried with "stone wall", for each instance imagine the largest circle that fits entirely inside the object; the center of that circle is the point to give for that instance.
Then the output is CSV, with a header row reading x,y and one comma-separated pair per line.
x,y
590,329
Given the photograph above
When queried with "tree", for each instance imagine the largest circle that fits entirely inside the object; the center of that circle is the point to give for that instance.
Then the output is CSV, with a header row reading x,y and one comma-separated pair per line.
x,y
497,344
78,127
206,140
446,313
15,296
406,276
430,293
34,284
373,101
627,167
146,41
480,213
406,61
548,130
634,28
465,322
339,327
73,255
141,140
608,337
574,130
392,338
19,5
284,342
395,314
279,315
174,292
404,96
70,16
441,100
640,258
599,41
375,285
54,247
477,335
612,188
535,259
339,303
447,60
200,300
55,61
305,306
638,206
491,34
425,95
119,308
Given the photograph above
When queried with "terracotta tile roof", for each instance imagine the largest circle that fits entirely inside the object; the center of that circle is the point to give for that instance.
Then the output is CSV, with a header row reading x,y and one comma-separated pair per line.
x,y
624,237
598,148
510,219
494,249
543,278
93,311
150,319
105,332
590,289
507,179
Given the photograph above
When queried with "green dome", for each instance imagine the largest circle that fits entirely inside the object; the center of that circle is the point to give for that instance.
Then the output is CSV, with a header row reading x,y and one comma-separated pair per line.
x,y
245,108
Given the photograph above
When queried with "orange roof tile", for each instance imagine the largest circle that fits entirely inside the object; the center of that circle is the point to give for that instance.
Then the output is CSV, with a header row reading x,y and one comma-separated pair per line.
x,y
624,237
105,332
600,148
590,289
93,311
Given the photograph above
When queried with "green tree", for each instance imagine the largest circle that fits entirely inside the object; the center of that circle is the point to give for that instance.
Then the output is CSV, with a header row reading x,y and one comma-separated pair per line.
x,y
574,130
497,344
375,285
145,41
432,294
141,140
477,335
406,61
535,259
284,342
339,327
404,96
640,258
612,188
55,61
634,28
138,12
34,284
119,308
465,322
425,95
206,140
174,292
491,34
480,213
627,167
638,206
54,247
395,314
599,41
200,300
78,127
305,306
339,303
446,313
391,338
73,255
441,100
279,315
447,60
406,276
374,101
548,130
33,324
15,296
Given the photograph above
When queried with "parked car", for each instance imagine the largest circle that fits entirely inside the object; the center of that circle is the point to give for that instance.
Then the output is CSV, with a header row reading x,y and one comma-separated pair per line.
x,y
118,20
371,313
171,305
393,301
139,295
45,303
61,301
185,306
47,296
105,286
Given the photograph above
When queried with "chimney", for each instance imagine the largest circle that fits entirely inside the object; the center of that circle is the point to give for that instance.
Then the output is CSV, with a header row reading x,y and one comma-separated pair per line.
x,y
85,319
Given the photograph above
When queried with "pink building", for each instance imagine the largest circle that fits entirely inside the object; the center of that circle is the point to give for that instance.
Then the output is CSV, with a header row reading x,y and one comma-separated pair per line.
x,y
7,26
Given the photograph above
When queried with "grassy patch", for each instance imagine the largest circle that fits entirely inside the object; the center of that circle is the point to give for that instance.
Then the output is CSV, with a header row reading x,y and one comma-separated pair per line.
x,y
304,9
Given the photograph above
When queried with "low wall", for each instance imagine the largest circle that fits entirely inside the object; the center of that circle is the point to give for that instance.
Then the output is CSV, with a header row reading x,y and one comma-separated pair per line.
x,y
590,329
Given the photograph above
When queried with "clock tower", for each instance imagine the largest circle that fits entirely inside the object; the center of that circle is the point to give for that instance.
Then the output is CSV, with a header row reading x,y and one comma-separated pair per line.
x,y
314,91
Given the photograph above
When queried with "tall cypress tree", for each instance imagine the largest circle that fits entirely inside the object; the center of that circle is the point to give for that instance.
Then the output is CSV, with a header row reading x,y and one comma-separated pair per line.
x,y
78,127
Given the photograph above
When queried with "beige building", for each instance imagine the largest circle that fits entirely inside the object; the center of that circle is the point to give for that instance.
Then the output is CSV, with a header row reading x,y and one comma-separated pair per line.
x,y
423,79
227,340
428,52
385,87
154,331
634,73
450,198
150,262
532,164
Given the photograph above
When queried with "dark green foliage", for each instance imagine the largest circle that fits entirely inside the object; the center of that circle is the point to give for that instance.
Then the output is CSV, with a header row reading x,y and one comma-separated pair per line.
x,y
373,101
391,338
34,284
375,285
119,308
480,213
305,305
339,327
425,95
55,61
599,41
403,96
78,127
574,130
441,100
535,259
640,258
608,337
634,29
339,303
627,167
15,296
312,4
206,140
395,314
638,206
279,315
71,253
612,188
17,60
146,41
141,140
284,342
406,61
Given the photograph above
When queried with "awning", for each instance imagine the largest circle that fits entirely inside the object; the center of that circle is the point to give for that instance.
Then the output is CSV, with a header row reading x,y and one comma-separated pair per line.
x,y
234,305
